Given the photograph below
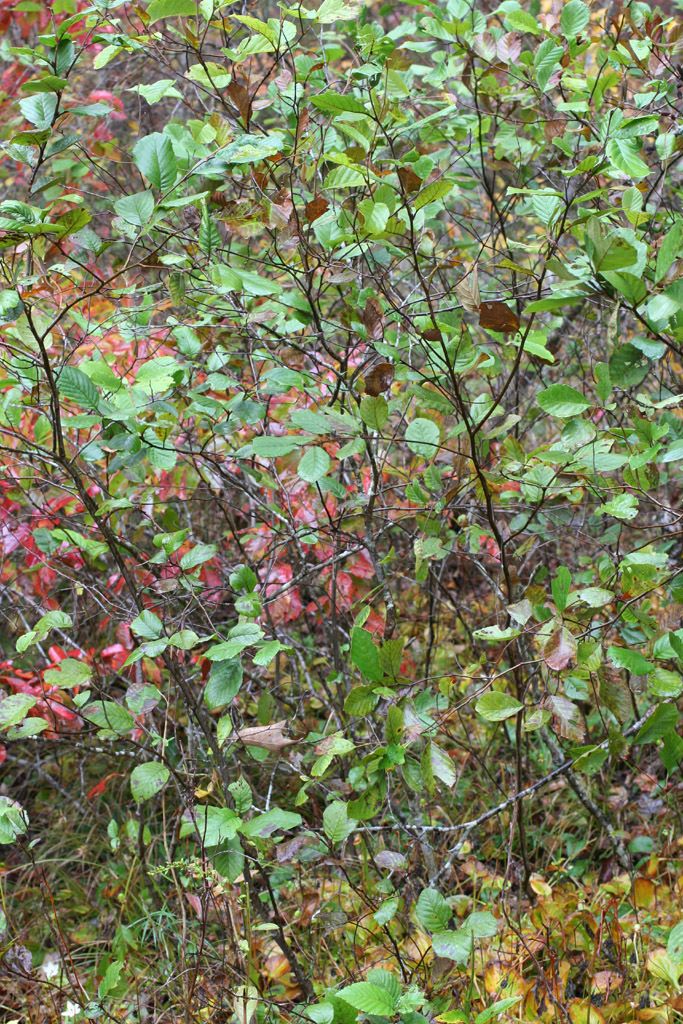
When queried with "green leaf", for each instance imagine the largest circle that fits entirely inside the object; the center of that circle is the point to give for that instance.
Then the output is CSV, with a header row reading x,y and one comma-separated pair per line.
x,y
335,103
365,654
482,924
574,18
374,412
147,779
622,506
337,825
432,911
496,1009
313,465
265,824
369,998
623,155
560,588
664,719
546,60
627,657
136,209
429,194
274,447
492,634
13,709
674,945
563,401
455,946
223,683
77,386
422,437
159,9
70,672
147,625
110,716
39,110
215,825
387,911
110,979
495,706
196,556
154,158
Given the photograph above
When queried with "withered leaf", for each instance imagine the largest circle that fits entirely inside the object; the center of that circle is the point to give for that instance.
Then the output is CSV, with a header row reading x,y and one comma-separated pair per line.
x,y
567,721
560,648
302,123
467,291
378,379
409,179
239,97
373,319
554,128
287,851
432,334
497,316
316,208
268,737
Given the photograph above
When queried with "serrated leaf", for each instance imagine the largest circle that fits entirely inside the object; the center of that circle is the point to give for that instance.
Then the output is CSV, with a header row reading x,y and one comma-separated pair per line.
x,y
77,386
432,911
369,998
430,193
155,159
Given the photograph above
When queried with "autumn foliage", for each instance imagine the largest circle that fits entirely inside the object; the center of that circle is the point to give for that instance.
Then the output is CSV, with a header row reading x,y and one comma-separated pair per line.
x,y
340,441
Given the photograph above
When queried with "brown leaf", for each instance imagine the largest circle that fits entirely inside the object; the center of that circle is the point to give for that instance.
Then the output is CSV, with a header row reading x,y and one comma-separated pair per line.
x,y
239,97
373,319
554,127
409,179
379,378
432,334
302,123
497,316
268,737
287,851
316,208
560,648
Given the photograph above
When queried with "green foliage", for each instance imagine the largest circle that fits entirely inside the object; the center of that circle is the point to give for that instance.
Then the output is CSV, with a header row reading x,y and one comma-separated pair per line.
x,y
341,429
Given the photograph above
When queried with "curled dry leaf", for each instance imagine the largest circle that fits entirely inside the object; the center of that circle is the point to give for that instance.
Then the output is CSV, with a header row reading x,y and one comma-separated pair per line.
x,y
373,319
467,291
268,737
497,316
378,379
